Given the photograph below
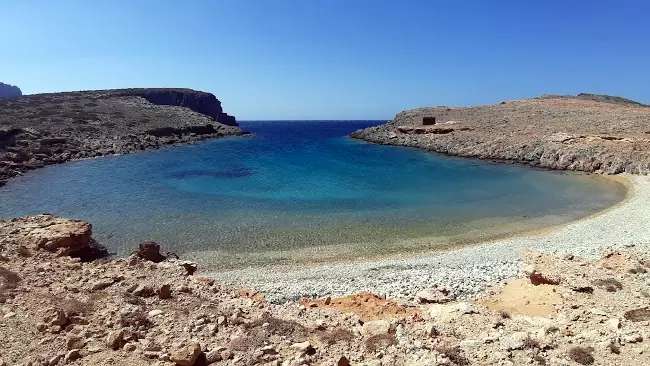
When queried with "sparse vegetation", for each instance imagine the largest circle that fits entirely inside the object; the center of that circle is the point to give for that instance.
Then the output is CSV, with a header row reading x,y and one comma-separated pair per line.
x,y
380,342
454,354
637,315
278,326
614,348
539,359
336,335
136,320
582,355
608,284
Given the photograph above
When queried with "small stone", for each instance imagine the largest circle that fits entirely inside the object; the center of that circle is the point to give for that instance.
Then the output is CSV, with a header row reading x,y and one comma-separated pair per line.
x,y
213,356
186,355
72,355
143,291
598,312
9,315
226,354
304,347
269,350
155,312
514,341
165,292
343,361
74,342
102,284
613,324
435,295
53,361
222,320
151,354
59,318
115,339
129,347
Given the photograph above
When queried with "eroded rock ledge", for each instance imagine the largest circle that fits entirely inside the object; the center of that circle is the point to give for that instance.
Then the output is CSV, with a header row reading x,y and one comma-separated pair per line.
x,y
42,129
587,132
56,310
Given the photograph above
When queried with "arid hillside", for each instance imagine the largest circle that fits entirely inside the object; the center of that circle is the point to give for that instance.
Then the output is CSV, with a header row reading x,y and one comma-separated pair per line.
x,y
43,129
587,132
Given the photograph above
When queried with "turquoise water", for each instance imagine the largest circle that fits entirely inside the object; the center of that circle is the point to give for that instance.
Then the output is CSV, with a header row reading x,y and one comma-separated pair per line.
x,y
294,186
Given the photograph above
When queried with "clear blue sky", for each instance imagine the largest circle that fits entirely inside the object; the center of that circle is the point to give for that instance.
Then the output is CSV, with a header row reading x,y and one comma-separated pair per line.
x,y
347,59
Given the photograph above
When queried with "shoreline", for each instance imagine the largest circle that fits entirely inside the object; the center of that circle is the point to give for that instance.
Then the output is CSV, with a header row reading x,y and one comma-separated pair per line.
x,y
467,270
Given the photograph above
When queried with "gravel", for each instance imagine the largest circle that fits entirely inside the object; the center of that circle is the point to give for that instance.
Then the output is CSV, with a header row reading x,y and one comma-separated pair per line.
x,y
466,271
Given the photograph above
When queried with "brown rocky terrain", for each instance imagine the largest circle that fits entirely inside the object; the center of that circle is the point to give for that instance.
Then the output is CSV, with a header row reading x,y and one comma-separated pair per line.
x,y
56,309
592,133
42,129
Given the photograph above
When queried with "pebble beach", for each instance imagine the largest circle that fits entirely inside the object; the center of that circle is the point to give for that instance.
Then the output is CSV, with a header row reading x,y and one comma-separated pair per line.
x,y
467,271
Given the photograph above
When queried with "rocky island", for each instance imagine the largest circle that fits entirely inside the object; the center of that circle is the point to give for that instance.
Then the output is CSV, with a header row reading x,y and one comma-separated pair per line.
x,y
587,132
42,129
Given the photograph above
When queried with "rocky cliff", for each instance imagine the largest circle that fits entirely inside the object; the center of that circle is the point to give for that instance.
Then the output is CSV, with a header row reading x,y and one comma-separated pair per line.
x,y
201,102
42,129
592,133
9,91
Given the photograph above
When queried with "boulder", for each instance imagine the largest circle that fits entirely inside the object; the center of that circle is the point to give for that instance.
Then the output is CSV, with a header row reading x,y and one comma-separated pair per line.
x,y
54,234
435,295
186,355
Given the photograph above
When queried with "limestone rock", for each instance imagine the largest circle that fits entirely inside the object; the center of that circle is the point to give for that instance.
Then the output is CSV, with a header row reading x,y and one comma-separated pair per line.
x,y
186,355
435,295
54,234
115,339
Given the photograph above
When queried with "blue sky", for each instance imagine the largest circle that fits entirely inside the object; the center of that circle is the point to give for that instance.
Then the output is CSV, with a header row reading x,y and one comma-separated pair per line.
x,y
347,59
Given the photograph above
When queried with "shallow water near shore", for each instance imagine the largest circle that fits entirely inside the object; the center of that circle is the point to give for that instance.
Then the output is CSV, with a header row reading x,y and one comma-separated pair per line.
x,y
302,192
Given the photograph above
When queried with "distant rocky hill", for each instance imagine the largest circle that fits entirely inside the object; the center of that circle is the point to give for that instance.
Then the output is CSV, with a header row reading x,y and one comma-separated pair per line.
x,y
42,129
598,98
587,132
9,91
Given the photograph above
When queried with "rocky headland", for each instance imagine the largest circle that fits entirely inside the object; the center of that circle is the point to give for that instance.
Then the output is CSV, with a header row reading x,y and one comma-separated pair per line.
x,y
60,306
587,132
42,129
8,91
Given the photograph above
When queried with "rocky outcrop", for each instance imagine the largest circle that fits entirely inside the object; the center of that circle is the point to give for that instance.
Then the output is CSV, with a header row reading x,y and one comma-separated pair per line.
x,y
9,91
591,133
43,129
201,102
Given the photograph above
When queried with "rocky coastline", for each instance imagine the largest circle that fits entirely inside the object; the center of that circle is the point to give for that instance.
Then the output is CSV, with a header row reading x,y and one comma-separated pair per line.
x,y
59,306
587,132
43,129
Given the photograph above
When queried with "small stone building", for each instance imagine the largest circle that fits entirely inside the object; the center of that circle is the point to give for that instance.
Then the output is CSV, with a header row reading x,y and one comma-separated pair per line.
x,y
428,121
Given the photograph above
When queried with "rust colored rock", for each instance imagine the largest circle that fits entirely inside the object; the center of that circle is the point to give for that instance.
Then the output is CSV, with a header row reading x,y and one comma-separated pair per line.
x,y
165,292
537,278
149,250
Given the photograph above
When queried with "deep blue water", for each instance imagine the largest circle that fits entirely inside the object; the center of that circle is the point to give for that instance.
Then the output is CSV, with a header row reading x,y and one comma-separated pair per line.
x,y
296,185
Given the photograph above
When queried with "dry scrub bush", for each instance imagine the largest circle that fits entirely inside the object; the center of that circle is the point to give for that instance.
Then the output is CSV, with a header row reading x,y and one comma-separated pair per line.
x,y
582,355
454,354
609,284
637,315
336,335
380,342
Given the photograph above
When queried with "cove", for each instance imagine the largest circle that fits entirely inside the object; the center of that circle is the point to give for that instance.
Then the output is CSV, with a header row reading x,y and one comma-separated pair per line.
x,y
302,191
